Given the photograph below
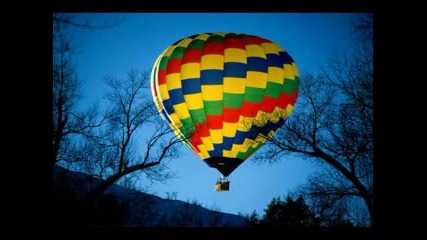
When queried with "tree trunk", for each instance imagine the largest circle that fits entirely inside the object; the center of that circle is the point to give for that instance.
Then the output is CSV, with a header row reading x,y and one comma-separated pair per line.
x,y
367,197
58,136
56,145
351,177
99,190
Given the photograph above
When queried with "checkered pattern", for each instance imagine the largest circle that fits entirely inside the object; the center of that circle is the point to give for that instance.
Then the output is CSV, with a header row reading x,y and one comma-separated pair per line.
x,y
223,93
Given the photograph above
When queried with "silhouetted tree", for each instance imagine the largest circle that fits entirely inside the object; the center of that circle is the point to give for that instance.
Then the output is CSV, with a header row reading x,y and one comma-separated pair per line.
x,y
117,150
333,125
289,213
63,20
252,219
67,120
363,28
70,208
331,202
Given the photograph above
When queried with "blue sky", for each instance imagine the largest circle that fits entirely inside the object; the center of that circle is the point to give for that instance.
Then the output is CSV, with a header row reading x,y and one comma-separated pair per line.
x,y
310,38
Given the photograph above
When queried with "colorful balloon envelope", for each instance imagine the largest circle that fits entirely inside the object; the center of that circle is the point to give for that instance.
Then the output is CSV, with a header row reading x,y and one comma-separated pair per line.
x,y
224,94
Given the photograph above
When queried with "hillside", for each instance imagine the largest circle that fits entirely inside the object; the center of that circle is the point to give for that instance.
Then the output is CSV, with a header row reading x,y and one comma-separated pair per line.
x,y
126,207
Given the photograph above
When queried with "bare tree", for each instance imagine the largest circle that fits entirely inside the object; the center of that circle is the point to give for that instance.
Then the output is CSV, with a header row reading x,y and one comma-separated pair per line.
x,y
66,94
363,27
332,199
105,146
64,20
67,120
333,124
118,151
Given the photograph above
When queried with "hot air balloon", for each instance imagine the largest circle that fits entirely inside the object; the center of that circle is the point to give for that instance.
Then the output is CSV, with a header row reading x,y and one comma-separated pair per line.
x,y
224,94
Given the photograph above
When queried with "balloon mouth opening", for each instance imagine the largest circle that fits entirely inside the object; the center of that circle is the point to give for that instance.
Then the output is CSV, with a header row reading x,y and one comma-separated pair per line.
x,y
224,165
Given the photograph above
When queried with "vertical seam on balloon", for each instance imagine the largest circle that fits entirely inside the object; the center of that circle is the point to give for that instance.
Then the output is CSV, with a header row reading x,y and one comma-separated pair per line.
x,y
181,136
188,131
203,104
244,94
201,89
158,90
184,137
203,96
240,147
223,67
264,90
185,102
259,109
222,103
191,116
251,123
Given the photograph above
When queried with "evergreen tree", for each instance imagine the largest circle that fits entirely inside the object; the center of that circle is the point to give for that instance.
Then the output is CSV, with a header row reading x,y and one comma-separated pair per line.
x,y
289,213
